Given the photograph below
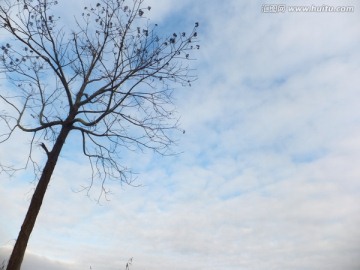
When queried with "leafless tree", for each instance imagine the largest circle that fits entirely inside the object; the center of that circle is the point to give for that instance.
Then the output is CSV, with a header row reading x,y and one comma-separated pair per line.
x,y
107,80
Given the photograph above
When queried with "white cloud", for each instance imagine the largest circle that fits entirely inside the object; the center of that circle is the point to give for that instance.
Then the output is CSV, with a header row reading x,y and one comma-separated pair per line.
x,y
269,176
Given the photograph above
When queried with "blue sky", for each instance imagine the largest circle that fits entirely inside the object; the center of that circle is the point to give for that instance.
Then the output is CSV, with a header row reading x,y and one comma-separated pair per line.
x,y
268,177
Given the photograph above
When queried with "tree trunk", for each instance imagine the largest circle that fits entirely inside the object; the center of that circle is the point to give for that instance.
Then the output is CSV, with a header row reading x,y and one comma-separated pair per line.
x,y
18,252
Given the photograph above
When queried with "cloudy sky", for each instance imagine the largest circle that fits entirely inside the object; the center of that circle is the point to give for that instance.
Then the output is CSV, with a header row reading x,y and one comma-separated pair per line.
x,y
269,177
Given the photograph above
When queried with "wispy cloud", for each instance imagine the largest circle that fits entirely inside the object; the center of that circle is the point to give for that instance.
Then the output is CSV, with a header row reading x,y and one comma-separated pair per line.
x,y
268,178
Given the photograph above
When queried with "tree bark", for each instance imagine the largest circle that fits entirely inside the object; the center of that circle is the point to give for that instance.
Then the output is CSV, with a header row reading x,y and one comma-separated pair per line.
x,y
18,252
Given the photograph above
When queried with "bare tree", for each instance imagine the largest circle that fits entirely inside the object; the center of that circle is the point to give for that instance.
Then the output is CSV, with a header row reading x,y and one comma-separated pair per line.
x,y
107,80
